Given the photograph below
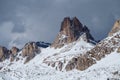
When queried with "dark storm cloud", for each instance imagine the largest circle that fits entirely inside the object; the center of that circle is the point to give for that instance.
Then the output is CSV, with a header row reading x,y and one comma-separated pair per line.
x,y
32,20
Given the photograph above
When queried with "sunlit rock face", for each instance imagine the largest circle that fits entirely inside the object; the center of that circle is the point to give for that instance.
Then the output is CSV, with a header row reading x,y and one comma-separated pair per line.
x,y
30,50
13,53
70,31
116,28
4,53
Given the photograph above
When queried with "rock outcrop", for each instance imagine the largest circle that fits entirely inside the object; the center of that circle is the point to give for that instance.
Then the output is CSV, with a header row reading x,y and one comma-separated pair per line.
x,y
118,50
30,50
115,28
103,48
14,51
71,30
80,63
4,53
8,54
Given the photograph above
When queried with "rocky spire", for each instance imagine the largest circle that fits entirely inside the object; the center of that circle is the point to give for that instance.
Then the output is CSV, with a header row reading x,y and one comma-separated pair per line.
x,y
70,31
116,28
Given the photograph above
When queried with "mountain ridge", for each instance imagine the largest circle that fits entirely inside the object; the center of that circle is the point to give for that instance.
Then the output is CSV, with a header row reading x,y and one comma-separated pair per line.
x,y
78,58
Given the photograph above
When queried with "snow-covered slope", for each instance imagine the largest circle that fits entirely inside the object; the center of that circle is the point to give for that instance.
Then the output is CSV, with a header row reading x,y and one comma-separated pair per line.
x,y
107,68
59,59
36,69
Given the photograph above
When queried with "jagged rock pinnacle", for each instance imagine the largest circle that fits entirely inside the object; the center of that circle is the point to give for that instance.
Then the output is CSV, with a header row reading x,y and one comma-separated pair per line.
x,y
70,31
115,28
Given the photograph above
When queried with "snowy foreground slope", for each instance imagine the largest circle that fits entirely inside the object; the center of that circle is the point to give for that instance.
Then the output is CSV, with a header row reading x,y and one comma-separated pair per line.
x,y
107,68
66,53
36,67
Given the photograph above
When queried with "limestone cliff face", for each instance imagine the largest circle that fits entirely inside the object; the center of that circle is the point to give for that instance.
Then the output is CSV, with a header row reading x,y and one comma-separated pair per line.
x,y
4,53
70,31
14,50
13,53
115,28
30,50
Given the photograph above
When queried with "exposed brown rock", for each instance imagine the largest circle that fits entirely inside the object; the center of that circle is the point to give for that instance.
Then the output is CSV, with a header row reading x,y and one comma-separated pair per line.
x,y
60,65
12,58
71,30
84,62
28,59
13,53
81,63
3,53
118,50
14,50
72,64
30,50
115,28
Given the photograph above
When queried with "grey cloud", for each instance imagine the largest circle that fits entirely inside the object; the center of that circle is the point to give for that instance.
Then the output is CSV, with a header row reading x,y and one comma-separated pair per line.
x,y
40,20
18,29
5,32
18,26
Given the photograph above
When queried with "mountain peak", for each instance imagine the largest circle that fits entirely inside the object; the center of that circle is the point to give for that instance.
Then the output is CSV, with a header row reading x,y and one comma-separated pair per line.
x,y
71,23
70,31
116,27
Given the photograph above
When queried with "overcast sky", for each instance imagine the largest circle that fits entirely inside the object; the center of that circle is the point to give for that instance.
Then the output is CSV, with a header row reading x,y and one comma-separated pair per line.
x,y
39,20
